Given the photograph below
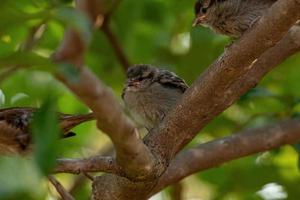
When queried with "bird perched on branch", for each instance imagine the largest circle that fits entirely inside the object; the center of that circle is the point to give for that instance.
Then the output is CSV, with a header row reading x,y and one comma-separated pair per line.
x,y
230,17
15,136
150,93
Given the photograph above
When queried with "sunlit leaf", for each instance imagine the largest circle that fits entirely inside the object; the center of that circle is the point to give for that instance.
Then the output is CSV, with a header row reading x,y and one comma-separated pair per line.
x,y
75,19
297,148
46,132
18,97
13,14
27,59
2,98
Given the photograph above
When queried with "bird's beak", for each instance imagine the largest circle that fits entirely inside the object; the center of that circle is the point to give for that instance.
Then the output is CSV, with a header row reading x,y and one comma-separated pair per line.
x,y
198,20
133,83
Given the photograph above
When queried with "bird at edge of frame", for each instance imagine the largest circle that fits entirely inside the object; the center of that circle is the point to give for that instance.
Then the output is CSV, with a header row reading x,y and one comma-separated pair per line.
x,y
150,93
15,136
230,17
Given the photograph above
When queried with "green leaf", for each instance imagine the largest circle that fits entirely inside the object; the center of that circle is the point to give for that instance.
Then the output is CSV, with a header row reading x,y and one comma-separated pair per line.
x,y
14,14
297,148
76,19
295,115
27,59
46,130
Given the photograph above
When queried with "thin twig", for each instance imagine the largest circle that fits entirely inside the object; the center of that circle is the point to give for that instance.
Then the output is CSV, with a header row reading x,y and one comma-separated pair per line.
x,y
65,195
92,164
227,79
81,179
88,176
217,152
116,45
35,34
131,153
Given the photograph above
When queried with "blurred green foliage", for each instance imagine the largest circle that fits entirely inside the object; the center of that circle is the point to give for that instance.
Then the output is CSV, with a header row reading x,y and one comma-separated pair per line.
x,y
45,130
150,31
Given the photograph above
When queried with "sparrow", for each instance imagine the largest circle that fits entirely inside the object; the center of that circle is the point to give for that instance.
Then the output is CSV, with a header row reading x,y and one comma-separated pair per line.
x,y
230,17
15,135
150,93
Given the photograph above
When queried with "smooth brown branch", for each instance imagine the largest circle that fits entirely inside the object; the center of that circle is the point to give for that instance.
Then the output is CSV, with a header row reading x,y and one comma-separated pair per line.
x,y
92,164
217,152
132,154
211,94
65,195
82,179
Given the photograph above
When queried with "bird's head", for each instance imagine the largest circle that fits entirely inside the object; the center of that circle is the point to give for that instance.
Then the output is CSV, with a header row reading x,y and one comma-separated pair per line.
x,y
140,77
204,11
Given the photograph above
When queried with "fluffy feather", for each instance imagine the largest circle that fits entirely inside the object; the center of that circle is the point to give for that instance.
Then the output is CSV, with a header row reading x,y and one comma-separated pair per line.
x,y
150,93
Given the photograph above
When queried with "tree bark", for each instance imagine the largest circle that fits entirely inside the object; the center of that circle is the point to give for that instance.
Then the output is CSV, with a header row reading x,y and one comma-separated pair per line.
x,y
217,152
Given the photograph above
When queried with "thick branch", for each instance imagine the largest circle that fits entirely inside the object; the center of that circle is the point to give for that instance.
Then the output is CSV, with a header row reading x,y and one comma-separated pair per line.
x,y
81,179
132,154
65,195
217,152
93,164
213,92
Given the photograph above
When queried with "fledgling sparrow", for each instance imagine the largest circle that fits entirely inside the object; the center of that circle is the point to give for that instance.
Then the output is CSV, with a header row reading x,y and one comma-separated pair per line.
x,y
15,136
230,17
150,93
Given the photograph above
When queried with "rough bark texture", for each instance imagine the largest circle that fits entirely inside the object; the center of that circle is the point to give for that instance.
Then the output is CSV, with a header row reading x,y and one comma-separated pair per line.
x,y
215,153
132,155
208,97
139,168
211,93
93,164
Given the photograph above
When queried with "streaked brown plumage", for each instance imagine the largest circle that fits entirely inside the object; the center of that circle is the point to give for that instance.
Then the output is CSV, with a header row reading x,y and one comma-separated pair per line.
x,y
230,17
15,136
150,93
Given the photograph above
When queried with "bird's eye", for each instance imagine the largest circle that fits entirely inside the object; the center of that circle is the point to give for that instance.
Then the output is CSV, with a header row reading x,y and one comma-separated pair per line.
x,y
140,78
203,10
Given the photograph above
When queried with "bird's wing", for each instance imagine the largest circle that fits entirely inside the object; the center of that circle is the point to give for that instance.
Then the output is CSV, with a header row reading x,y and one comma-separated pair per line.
x,y
169,79
17,117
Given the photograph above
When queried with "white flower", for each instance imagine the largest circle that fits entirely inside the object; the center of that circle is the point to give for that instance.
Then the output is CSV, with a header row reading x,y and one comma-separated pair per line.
x,y
272,191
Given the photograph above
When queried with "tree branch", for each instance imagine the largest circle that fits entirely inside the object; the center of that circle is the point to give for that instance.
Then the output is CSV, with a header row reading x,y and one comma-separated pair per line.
x,y
221,84
92,164
60,189
217,152
177,191
112,38
81,179
132,154
211,94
